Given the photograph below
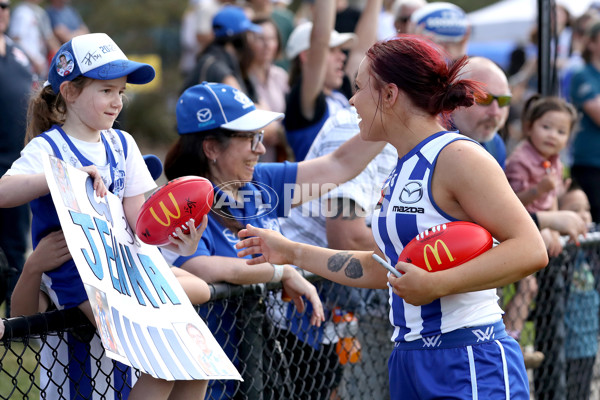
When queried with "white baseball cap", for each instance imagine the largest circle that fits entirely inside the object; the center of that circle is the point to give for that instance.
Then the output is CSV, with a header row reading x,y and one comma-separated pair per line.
x,y
444,22
97,56
299,40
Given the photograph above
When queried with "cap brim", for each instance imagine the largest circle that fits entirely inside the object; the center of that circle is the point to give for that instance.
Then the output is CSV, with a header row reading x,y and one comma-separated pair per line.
x,y
253,121
137,73
255,28
342,39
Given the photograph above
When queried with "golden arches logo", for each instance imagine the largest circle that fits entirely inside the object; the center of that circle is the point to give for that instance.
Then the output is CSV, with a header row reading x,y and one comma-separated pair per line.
x,y
166,212
436,253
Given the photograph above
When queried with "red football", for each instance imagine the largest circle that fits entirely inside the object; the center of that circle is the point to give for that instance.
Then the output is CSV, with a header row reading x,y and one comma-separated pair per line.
x,y
172,205
447,246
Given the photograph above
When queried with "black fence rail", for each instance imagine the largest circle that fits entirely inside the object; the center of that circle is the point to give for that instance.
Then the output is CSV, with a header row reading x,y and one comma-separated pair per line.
x,y
58,354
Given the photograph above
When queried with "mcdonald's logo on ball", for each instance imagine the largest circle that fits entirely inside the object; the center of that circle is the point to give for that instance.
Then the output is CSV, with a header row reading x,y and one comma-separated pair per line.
x,y
171,206
447,246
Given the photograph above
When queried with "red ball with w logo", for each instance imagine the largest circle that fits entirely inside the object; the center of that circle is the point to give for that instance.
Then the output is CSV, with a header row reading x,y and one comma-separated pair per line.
x,y
171,206
447,246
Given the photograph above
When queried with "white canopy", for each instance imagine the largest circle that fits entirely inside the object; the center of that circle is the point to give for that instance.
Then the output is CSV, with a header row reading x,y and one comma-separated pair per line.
x,y
512,20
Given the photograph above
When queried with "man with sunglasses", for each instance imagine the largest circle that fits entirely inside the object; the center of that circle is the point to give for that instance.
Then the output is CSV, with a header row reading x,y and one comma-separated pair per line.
x,y
482,121
16,80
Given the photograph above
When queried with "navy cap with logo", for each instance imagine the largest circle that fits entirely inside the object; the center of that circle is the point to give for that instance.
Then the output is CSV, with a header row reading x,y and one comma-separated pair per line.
x,y
97,56
210,106
231,21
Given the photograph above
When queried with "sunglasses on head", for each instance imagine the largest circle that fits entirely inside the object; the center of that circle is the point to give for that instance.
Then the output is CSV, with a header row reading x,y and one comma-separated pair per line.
x,y
4,6
503,101
257,137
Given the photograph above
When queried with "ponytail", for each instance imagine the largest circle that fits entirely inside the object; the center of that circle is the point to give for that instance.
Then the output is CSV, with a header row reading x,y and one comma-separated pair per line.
x,y
47,108
41,114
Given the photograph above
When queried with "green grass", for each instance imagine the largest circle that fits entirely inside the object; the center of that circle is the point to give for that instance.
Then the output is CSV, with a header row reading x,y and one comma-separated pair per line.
x,y
18,367
528,332
17,363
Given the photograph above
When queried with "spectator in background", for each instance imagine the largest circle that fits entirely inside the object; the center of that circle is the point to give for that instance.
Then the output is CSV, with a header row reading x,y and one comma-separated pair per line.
x,y
444,23
402,11
575,61
196,30
346,17
524,58
320,76
30,28
585,95
487,116
17,82
581,309
220,60
189,39
283,18
271,85
385,28
66,20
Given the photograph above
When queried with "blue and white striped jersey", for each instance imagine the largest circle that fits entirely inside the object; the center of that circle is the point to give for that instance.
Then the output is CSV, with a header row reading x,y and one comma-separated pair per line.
x,y
405,209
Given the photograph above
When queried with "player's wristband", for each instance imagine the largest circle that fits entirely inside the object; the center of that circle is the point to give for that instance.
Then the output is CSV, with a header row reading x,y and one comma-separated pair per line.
x,y
277,273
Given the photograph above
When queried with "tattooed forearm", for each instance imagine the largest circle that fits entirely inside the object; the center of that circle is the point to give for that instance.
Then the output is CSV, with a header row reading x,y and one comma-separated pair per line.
x,y
337,261
353,268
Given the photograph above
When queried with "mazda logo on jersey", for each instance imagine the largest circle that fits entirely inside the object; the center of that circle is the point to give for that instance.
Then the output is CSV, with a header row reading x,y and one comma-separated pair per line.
x,y
411,193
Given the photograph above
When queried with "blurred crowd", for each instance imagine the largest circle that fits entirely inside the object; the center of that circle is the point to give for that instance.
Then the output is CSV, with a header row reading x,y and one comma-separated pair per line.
x,y
303,65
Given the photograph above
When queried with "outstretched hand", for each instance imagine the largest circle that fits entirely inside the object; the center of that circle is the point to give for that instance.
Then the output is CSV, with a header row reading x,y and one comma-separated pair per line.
x,y
271,246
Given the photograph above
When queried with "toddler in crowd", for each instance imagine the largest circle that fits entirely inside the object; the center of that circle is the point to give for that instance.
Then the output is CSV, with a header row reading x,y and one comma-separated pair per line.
x,y
534,171
582,306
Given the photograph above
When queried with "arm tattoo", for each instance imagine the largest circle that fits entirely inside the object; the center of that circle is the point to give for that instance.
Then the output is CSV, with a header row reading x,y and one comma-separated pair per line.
x,y
347,209
337,261
353,268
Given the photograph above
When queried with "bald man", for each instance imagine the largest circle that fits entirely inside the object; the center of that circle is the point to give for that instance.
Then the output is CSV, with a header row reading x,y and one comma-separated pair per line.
x,y
482,121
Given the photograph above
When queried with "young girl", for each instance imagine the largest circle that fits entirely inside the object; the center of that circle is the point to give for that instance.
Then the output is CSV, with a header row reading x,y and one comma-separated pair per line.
x,y
534,171
71,118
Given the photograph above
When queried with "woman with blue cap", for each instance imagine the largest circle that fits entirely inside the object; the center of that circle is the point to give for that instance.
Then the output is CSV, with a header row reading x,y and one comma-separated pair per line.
x,y
221,139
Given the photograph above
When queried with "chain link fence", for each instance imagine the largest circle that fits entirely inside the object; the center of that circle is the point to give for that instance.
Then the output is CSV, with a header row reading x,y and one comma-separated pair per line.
x,y
58,354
